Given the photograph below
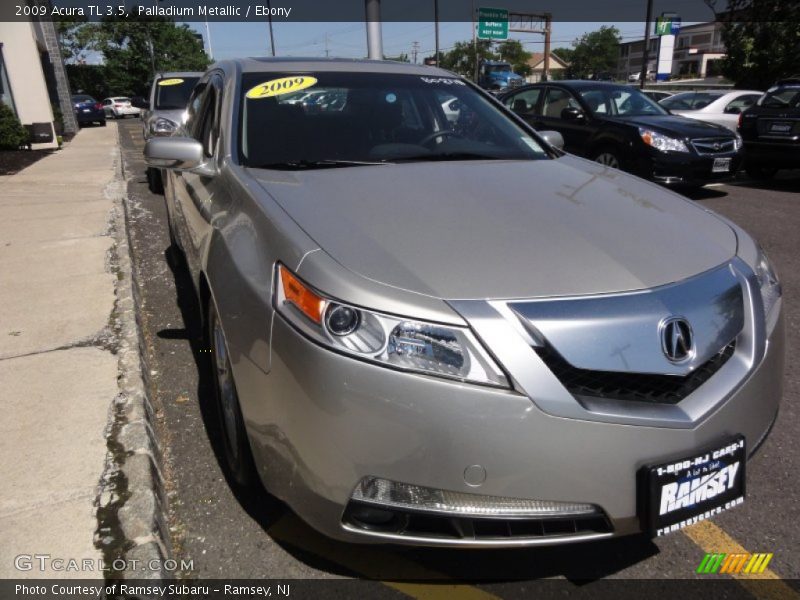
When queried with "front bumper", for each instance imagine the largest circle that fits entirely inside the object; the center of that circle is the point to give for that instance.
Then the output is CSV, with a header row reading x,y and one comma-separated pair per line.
x,y
685,169
319,422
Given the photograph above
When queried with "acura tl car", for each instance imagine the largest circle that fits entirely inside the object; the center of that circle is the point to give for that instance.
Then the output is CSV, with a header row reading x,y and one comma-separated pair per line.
x,y
439,332
621,127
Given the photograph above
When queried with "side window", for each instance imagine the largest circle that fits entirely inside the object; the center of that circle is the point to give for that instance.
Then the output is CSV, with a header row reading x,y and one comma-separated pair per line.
x,y
107,102
557,100
524,103
210,121
193,107
741,103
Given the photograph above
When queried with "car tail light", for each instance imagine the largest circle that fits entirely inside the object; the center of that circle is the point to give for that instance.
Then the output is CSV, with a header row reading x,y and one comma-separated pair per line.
x,y
98,105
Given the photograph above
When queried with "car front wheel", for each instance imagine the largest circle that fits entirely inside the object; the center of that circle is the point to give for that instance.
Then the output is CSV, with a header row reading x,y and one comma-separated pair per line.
x,y
235,446
609,157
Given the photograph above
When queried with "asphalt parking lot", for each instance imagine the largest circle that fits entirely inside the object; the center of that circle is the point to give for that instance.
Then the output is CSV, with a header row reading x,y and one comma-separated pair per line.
x,y
229,534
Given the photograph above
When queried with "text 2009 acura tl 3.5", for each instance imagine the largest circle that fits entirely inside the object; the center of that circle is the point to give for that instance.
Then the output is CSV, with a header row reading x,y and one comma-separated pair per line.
x,y
441,330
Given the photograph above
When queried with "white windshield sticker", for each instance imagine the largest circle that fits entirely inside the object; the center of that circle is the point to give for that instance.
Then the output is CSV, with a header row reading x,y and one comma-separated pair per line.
x,y
444,80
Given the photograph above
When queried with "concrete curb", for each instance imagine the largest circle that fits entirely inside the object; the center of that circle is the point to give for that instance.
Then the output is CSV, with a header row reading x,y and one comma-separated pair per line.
x,y
133,530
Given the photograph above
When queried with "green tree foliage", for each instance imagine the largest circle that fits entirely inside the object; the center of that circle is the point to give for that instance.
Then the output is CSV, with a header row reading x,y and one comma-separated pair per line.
x,y
12,133
512,52
564,54
762,40
132,52
88,79
461,58
595,52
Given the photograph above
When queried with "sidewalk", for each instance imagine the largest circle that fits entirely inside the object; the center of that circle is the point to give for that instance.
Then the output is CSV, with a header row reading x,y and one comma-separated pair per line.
x,y
58,377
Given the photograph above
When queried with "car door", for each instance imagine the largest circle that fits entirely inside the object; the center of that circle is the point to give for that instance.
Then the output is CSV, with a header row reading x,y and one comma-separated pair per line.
x,y
526,104
192,193
575,131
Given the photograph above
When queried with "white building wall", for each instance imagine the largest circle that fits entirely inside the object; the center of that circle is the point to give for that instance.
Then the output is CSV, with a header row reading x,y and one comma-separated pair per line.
x,y
25,76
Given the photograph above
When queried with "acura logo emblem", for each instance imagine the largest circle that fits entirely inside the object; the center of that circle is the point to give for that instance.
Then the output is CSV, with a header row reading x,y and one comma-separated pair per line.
x,y
676,339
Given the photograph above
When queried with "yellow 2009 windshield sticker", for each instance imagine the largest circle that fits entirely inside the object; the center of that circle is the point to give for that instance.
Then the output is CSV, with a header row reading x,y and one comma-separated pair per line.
x,y
276,87
173,81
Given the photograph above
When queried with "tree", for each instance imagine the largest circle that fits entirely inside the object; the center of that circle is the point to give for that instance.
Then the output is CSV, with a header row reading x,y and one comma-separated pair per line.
x,y
461,58
565,54
513,53
595,52
402,57
762,41
135,51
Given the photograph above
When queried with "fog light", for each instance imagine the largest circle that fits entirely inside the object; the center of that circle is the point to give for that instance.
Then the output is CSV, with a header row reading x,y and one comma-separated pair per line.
x,y
415,497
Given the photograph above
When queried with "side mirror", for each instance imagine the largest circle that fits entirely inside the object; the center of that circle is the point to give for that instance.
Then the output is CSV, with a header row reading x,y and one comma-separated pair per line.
x,y
553,138
572,114
733,110
178,153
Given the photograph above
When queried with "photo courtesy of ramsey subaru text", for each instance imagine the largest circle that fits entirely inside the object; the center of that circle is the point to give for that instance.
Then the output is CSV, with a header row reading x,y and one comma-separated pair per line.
x,y
440,329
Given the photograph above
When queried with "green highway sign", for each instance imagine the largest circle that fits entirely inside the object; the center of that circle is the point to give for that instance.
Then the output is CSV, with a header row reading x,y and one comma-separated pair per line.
x,y
492,23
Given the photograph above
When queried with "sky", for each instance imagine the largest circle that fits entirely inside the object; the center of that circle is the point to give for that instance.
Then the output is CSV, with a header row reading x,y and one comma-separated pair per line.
x,y
230,40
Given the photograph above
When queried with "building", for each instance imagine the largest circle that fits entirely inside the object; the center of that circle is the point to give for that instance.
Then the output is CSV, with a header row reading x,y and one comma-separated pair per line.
x,y
33,80
696,49
536,63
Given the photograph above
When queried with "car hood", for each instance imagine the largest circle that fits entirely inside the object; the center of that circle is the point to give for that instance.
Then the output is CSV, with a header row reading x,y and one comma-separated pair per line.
x,y
502,229
678,126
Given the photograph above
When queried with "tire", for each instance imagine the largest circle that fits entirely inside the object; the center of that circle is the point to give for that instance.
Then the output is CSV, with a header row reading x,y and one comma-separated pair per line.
x,y
154,183
103,123
238,458
609,157
761,173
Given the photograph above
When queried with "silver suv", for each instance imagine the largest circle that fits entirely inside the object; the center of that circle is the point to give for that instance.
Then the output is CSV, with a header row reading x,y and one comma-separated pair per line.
x,y
442,331
165,110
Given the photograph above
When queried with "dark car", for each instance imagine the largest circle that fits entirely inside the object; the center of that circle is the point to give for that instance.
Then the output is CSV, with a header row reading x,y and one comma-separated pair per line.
x,y
620,127
88,110
771,130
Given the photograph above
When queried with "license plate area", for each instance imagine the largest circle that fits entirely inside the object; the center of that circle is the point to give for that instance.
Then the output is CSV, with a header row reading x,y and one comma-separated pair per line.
x,y
780,128
721,165
682,492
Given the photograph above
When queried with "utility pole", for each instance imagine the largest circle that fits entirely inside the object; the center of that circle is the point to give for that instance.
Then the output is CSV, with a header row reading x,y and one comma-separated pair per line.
x,y
414,50
436,28
646,53
271,33
374,39
474,41
548,22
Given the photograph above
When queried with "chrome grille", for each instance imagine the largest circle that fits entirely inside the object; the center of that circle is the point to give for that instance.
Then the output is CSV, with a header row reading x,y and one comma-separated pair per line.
x,y
638,387
708,146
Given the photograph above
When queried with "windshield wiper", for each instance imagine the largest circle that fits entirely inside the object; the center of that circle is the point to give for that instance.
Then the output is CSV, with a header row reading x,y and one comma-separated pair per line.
x,y
317,164
446,156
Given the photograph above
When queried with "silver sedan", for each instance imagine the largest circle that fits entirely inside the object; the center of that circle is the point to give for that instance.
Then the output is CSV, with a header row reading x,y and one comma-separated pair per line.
x,y
449,332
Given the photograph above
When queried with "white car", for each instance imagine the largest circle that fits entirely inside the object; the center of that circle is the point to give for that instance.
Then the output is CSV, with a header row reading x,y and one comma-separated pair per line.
x,y
718,107
119,107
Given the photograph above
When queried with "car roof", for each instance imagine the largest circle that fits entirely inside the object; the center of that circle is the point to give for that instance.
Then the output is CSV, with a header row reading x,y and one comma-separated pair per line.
x,y
287,63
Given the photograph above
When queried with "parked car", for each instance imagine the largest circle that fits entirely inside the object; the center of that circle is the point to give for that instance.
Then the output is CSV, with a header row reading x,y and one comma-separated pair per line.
x,y
88,110
637,76
713,107
455,334
165,110
771,130
620,127
657,95
119,107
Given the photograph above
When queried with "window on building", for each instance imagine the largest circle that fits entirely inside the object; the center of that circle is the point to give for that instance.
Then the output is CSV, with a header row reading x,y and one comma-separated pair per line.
x,y
5,87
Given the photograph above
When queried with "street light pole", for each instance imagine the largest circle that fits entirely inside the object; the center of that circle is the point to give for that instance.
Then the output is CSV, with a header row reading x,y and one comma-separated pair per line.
x,y
646,53
436,28
374,41
474,42
271,33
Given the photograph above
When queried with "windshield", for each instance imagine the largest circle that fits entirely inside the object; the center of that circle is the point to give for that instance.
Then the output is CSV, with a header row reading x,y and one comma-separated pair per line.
x,y
690,100
499,68
172,93
784,97
79,99
619,102
368,118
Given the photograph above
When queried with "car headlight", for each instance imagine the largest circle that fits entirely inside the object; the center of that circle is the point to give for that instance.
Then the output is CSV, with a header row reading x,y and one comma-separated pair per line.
x,y
163,126
769,284
406,344
737,142
662,142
